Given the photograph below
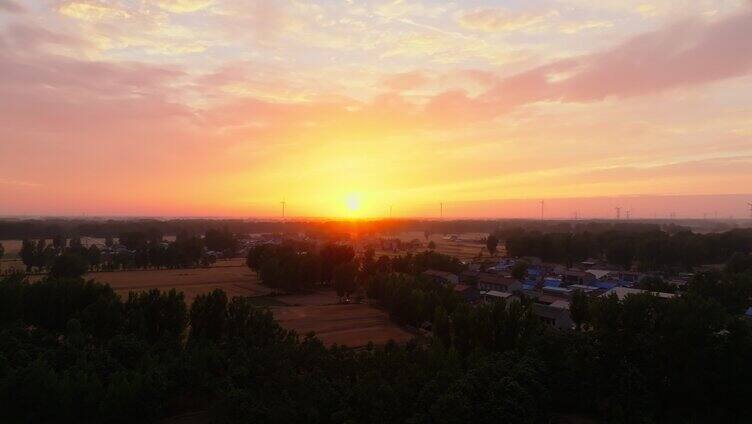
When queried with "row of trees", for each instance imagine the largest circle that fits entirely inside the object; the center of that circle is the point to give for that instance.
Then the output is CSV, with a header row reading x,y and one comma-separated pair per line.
x,y
37,254
143,249
293,266
648,250
73,351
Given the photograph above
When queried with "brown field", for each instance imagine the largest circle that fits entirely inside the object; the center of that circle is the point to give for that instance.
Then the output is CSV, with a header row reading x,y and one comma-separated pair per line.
x,y
352,325
235,280
345,324
232,276
12,264
468,247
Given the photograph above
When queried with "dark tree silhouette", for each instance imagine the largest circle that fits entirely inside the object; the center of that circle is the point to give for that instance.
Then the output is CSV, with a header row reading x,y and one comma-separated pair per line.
x,y
69,265
492,243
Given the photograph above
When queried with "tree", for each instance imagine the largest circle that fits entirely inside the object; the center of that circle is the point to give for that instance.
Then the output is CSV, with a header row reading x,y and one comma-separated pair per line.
x,y
69,265
579,308
739,262
345,278
368,264
519,270
157,317
332,255
492,242
257,255
208,316
621,252
431,245
441,328
94,256
58,242
655,284
221,241
28,253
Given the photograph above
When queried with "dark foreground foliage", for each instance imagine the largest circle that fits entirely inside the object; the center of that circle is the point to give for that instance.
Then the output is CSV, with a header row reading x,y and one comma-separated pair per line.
x,y
72,351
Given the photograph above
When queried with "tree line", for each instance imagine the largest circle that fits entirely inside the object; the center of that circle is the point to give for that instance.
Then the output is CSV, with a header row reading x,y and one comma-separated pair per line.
x,y
142,249
650,249
73,351
293,266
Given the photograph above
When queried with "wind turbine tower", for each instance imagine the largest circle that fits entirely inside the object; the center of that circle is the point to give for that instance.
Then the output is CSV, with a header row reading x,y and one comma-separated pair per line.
x,y
543,204
618,212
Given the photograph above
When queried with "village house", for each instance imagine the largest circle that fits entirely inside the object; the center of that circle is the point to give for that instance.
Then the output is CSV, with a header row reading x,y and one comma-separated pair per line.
x,y
555,314
500,283
441,277
469,277
469,293
574,276
490,296
622,292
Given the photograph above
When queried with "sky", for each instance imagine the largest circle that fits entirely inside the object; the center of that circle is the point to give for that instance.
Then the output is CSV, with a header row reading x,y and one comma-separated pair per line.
x,y
345,108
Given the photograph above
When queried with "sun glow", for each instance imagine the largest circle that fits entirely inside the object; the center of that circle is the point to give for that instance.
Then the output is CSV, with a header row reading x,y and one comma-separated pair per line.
x,y
352,203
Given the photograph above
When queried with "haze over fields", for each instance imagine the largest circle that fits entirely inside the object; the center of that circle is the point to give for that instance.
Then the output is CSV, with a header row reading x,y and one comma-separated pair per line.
x,y
342,108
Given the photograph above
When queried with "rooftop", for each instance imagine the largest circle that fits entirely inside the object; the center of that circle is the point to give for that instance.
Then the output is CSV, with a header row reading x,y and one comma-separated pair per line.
x,y
623,292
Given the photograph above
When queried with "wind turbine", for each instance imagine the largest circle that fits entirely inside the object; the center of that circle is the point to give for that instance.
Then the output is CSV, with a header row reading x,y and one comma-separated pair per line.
x,y
283,203
543,204
618,212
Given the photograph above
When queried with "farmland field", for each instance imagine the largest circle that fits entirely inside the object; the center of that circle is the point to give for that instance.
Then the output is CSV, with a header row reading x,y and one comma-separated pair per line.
x,y
234,279
353,325
232,276
11,264
318,312
467,247
350,324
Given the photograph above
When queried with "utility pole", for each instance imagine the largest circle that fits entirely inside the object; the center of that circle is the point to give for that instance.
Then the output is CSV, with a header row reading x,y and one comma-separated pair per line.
x,y
284,203
618,213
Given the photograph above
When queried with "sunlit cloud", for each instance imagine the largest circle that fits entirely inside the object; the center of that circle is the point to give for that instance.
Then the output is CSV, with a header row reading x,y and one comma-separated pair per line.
x,y
184,6
498,19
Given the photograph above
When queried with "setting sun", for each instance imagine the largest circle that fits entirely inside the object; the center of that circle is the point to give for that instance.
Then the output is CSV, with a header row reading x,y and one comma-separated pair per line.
x,y
352,202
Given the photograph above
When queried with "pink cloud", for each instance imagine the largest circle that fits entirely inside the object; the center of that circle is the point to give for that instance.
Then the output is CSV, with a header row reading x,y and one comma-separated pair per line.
x,y
11,6
406,80
684,54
